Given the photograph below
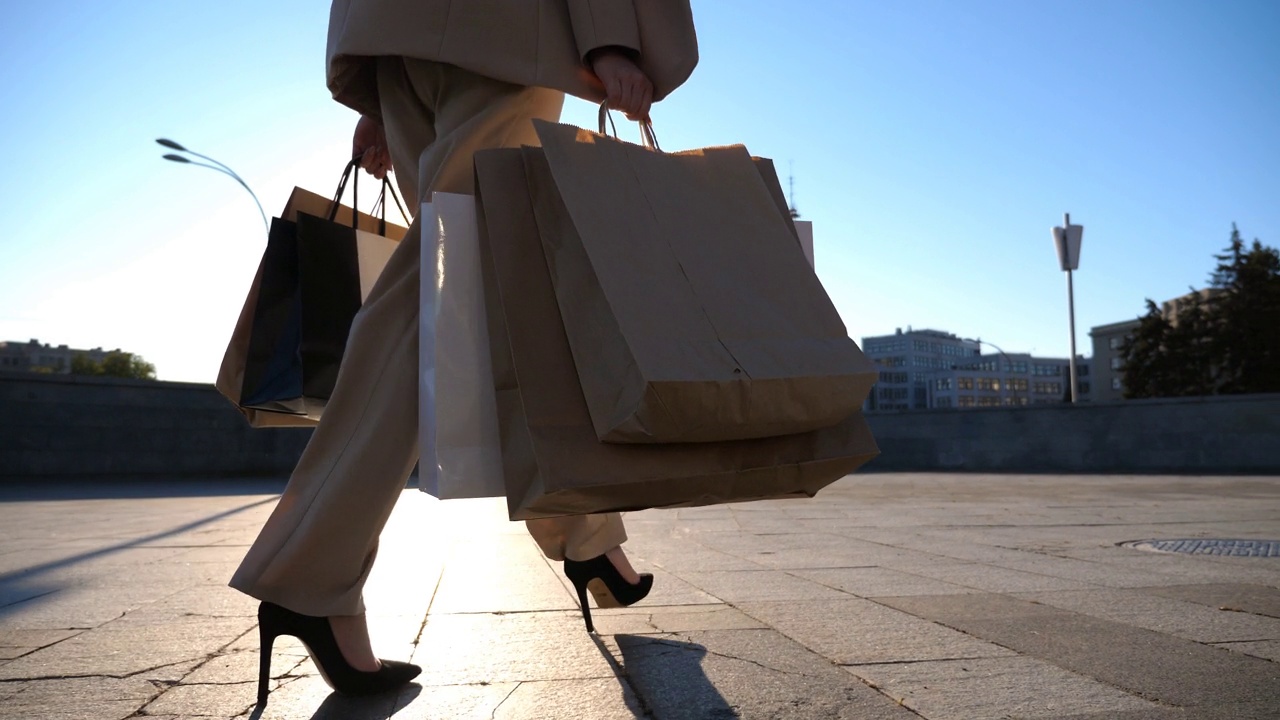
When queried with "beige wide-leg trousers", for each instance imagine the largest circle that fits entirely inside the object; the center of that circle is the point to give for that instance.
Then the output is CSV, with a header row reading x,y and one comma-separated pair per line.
x,y
317,547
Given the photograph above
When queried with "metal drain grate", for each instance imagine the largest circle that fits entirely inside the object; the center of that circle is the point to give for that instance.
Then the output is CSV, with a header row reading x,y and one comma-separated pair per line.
x,y
1203,546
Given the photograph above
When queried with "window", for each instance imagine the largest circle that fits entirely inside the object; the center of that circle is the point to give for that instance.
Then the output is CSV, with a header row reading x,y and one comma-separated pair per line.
x,y
943,384
988,384
1016,384
988,401
964,383
1116,363
1046,370
965,401
1048,388
1084,388
1082,370
1114,343
893,377
944,402
1115,383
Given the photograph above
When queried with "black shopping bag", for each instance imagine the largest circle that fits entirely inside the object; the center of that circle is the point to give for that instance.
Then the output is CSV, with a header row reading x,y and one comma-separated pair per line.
x,y
320,263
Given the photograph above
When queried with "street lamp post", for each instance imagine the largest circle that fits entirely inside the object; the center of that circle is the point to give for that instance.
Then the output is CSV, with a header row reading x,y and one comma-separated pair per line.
x,y
1067,240
219,167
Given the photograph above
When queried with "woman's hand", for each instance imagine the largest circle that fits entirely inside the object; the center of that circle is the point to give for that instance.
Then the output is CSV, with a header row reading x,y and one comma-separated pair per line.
x,y
370,144
627,87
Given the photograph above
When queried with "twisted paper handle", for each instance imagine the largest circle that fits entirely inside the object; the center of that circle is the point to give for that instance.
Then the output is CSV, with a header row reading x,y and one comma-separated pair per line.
x,y
647,137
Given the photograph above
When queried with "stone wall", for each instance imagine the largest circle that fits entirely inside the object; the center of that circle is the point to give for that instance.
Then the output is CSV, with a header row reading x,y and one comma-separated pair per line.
x,y
1205,435
59,425
63,425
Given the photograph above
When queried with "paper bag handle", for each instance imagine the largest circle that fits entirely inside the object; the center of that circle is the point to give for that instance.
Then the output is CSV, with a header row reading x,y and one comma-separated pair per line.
x,y
352,173
647,137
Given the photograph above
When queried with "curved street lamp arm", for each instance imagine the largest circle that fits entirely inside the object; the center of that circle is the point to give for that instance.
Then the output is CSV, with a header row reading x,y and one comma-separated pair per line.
x,y
219,167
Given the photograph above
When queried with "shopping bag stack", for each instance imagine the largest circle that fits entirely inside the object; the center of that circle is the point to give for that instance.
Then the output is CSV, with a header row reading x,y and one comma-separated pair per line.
x,y
320,263
655,334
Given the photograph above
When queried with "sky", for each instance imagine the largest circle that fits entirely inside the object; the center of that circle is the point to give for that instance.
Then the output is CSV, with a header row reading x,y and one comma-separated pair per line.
x,y
933,144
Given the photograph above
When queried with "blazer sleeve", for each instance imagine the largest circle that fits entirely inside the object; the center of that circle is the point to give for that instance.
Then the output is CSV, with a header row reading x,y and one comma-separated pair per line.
x,y
603,23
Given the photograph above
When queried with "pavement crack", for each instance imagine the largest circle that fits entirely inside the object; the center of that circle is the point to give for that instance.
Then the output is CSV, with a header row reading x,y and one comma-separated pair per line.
x,y
684,649
497,707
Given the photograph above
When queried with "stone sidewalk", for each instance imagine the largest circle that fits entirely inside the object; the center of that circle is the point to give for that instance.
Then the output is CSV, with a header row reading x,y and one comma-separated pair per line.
x,y
889,597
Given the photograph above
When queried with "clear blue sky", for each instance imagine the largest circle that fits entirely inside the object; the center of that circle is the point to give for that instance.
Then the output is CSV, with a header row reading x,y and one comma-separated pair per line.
x,y
934,144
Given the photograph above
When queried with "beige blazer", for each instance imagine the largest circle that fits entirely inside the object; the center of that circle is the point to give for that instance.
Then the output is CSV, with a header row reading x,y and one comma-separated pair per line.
x,y
527,42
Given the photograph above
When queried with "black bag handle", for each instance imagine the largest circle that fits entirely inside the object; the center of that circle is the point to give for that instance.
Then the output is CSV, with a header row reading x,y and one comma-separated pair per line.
x,y
352,173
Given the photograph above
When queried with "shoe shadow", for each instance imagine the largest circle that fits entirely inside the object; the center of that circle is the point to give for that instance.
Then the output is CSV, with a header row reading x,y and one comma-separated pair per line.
x,y
667,677
347,707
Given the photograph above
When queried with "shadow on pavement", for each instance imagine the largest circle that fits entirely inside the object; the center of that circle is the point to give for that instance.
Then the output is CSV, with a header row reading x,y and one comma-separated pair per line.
x,y
667,677
24,585
107,488
346,707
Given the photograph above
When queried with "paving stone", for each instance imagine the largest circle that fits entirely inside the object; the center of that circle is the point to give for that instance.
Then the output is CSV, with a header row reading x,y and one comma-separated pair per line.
x,y
991,578
748,585
80,698
1265,649
602,699
1256,599
27,639
504,573
668,589
460,702
855,631
468,649
877,581
195,700
1158,667
743,673
640,619
981,688
1232,711
121,649
1166,615
685,555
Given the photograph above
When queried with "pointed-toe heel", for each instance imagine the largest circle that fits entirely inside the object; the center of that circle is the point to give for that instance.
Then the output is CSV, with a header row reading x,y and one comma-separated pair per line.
x,y
613,590
317,635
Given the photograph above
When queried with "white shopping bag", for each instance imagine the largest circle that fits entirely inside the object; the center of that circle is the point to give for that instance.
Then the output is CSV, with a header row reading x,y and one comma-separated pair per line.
x,y
458,418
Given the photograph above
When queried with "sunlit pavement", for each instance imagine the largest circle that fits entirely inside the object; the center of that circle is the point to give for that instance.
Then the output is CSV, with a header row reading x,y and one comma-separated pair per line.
x,y
943,596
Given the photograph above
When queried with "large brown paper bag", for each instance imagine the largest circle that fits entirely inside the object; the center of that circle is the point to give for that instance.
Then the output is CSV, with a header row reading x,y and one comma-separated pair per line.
x,y
552,462
242,355
691,309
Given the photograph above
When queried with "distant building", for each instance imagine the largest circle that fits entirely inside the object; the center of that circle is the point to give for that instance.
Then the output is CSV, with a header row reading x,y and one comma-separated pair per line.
x,y
1108,366
1108,339
34,357
927,369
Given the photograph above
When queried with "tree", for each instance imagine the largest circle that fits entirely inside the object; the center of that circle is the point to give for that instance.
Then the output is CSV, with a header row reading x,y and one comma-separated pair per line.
x,y
115,364
82,364
1247,313
1224,341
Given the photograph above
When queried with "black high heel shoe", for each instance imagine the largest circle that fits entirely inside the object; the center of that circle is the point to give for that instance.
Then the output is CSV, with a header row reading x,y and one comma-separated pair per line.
x,y
611,590
317,635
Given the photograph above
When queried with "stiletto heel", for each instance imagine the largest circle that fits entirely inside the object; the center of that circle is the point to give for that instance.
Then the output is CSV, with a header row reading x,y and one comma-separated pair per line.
x,y
265,643
317,635
582,603
616,591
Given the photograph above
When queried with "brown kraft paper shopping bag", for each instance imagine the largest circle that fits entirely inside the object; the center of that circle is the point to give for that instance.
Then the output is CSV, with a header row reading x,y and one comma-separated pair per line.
x,y
690,307
553,463
231,374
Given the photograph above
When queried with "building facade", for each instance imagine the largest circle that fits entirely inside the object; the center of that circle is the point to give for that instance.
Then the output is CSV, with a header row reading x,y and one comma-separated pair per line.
x,y
43,358
1108,339
1108,365
928,369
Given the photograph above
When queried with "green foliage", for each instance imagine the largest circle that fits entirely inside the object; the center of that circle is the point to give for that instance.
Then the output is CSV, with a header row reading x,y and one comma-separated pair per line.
x,y
115,364
1228,343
